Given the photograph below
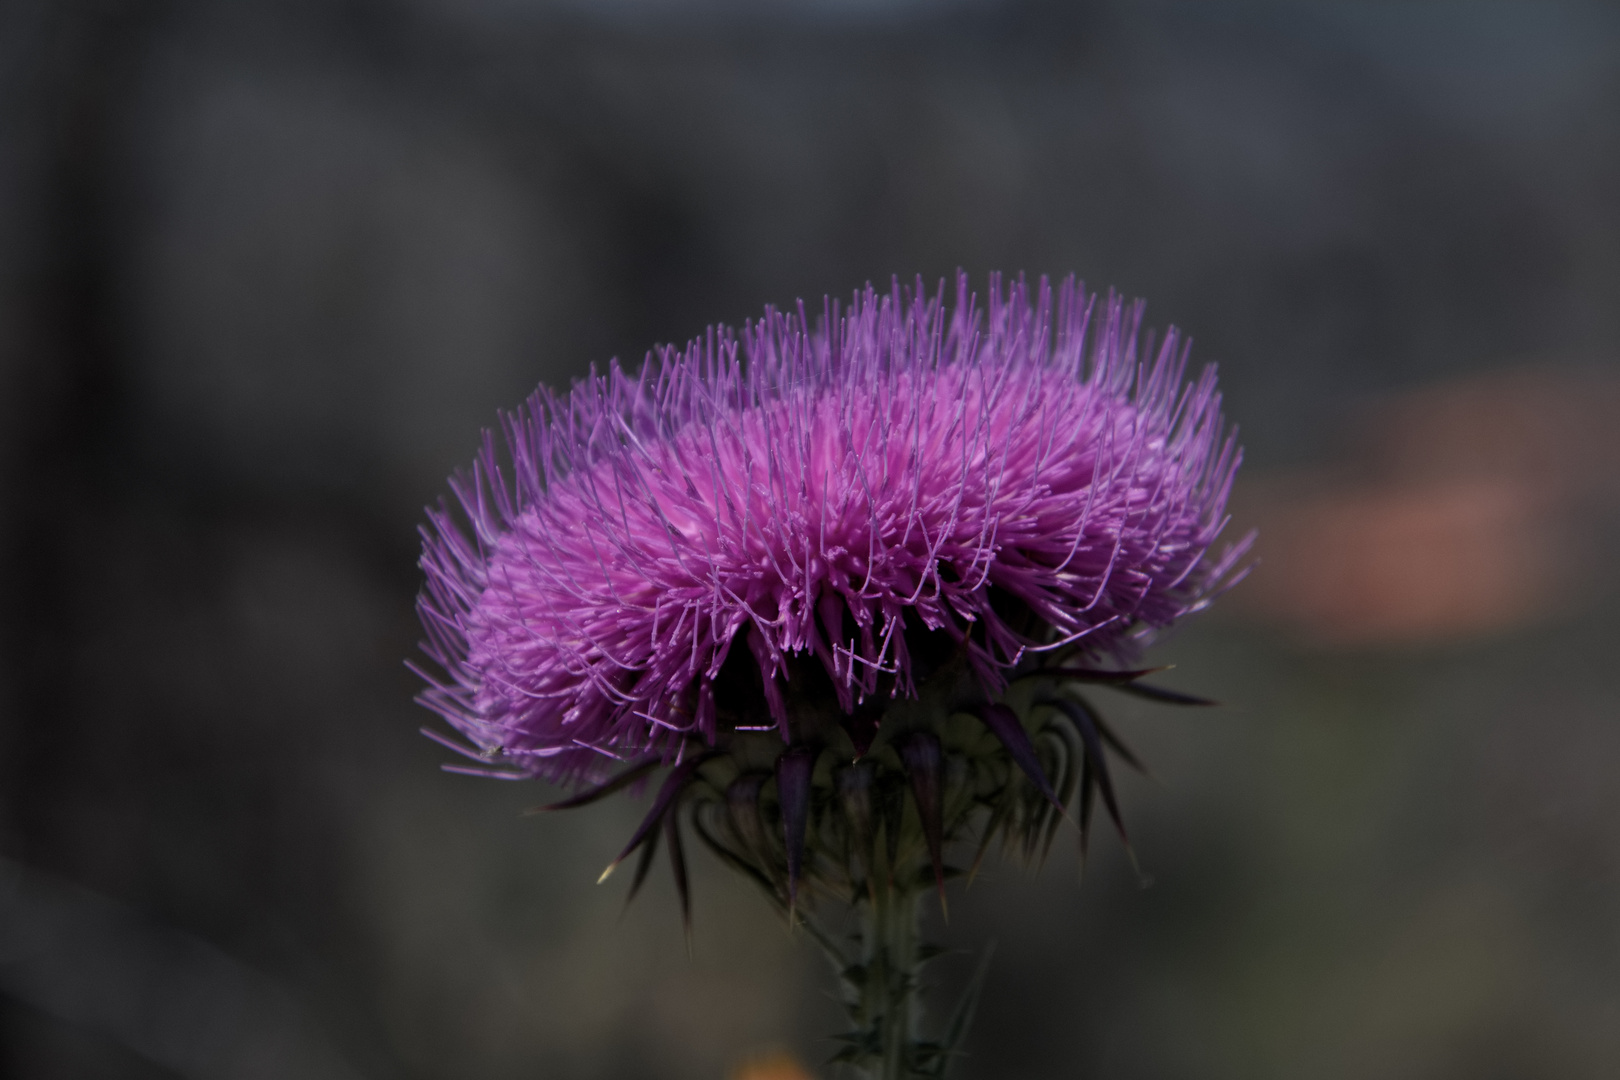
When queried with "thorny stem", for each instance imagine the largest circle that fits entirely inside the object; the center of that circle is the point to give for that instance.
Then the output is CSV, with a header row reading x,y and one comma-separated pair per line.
x,y
888,1000
881,984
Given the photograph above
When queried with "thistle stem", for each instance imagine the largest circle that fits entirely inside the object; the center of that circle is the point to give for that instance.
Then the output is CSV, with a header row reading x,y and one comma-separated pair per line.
x,y
889,940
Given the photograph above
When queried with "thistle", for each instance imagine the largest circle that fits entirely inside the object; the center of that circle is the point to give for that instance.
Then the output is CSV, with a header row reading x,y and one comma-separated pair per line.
x,y
847,586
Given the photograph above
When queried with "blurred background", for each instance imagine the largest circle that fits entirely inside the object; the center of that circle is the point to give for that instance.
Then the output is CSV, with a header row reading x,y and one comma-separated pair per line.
x,y
268,266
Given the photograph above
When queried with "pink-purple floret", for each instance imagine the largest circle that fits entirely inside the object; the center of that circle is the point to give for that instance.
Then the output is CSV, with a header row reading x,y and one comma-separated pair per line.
x,y
793,491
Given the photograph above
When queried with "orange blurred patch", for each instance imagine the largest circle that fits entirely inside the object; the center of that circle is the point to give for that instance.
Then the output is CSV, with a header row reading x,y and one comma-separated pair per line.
x,y
1465,512
1375,566
770,1065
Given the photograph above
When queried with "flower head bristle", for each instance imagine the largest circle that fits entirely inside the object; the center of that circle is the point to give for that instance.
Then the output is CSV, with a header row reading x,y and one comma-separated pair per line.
x,y
663,556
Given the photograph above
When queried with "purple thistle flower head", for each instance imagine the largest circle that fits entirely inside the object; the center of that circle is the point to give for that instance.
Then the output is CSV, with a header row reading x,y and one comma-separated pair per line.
x,y
661,556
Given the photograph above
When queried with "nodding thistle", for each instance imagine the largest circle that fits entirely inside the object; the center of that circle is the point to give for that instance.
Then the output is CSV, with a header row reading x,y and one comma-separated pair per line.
x,y
847,581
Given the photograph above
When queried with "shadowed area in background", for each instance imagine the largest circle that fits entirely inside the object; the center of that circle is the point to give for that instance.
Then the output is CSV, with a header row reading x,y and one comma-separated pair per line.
x,y
267,268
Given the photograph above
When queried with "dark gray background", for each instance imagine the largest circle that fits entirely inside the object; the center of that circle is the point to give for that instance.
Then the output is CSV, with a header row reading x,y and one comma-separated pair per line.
x,y
267,267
